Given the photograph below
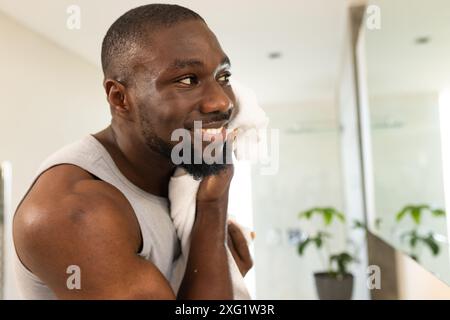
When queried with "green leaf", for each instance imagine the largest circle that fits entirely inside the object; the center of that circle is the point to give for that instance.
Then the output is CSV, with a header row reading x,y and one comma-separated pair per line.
x,y
358,225
342,260
432,244
329,213
318,241
416,213
340,216
327,216
402,213
413,241
438,212
346,256
302,246
306,214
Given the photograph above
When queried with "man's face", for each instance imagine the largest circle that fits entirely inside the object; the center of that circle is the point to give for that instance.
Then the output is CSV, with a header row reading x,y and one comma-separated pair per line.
x,y
182,78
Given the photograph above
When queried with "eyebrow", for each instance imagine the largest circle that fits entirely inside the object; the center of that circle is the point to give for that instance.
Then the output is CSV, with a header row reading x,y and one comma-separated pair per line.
x,y
181,64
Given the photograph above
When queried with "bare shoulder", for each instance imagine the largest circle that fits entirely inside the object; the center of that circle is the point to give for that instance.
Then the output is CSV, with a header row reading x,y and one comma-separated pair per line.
x,y
71,218
68,210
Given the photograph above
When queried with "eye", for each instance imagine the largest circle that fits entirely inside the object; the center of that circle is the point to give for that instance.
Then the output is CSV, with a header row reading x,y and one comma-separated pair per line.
x,y
188,80
225,78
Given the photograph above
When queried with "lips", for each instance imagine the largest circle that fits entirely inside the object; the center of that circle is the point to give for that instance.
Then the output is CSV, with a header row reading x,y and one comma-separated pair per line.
x,y
213,130
214,124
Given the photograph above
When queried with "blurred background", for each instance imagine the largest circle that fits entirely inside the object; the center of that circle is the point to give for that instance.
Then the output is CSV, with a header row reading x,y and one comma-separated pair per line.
x,y
357,92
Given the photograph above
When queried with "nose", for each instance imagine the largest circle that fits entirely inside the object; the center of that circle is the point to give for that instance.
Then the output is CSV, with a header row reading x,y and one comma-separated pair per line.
x,y
215,99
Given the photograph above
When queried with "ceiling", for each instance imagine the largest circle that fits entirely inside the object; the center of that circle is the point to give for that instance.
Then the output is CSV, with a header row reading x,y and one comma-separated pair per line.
x,y
308,33
395,62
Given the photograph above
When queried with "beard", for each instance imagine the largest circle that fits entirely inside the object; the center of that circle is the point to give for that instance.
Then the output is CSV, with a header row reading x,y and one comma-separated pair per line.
x,y
203,169
164,148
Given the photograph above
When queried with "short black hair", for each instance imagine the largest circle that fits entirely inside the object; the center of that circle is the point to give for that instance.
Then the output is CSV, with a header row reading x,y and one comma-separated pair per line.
x,y
126,33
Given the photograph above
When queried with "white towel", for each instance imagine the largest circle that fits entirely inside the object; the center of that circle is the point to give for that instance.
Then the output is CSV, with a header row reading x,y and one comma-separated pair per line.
x,y
248,119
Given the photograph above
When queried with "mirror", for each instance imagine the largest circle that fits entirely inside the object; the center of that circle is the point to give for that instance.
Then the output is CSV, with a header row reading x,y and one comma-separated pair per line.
x,y
407,66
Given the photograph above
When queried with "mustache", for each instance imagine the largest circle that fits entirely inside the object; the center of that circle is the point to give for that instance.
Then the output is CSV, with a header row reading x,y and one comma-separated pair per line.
x,y
214,117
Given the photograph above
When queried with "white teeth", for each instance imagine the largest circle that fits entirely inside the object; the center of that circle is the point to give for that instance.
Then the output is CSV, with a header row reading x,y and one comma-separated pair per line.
x,y
212,130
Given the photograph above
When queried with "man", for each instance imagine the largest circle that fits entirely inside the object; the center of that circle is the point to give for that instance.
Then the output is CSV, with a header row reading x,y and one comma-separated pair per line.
x,y
98,208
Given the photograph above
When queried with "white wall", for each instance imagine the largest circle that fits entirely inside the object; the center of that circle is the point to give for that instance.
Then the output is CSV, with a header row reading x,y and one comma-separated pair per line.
x,y
309,175
49,97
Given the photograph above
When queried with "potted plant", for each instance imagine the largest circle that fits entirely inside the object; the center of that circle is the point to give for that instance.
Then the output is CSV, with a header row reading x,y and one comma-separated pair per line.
x,y
335,282
415,238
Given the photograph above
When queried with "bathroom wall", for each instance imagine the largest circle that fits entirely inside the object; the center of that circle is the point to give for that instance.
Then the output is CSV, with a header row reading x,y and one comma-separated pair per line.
x,y
309,175
50,97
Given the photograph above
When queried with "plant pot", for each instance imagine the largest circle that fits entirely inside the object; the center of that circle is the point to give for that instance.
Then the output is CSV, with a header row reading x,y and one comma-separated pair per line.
x,y
330,287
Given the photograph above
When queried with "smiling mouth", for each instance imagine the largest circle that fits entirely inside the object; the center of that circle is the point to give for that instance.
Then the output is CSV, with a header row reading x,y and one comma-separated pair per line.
x,y
212,131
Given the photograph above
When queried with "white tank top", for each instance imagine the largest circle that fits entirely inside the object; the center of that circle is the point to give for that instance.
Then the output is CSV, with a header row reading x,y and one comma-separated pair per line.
x,y
160,242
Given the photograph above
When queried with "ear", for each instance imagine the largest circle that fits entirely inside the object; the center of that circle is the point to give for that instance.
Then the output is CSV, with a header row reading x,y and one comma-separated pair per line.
x,y
116,94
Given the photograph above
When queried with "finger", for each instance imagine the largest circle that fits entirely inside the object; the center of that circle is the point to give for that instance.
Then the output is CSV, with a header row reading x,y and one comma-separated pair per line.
x,y
248,234
240,264
239,241
232,248
216,186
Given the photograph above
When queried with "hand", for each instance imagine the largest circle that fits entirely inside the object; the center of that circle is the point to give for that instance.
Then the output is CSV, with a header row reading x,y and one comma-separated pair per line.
x,y
237,243
216,187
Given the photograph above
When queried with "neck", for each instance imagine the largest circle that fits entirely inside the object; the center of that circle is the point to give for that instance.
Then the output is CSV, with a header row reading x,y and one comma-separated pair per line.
x,y
145,168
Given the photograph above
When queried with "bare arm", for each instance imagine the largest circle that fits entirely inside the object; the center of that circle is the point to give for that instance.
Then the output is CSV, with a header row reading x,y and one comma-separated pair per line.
x,y
90,224
207,274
